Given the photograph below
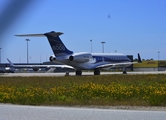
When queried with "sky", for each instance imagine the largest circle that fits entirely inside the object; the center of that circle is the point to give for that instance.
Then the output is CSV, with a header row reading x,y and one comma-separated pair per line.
x,y
126,26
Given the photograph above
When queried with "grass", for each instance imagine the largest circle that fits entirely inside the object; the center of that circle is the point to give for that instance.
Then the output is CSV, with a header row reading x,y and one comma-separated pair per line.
x,y
134,90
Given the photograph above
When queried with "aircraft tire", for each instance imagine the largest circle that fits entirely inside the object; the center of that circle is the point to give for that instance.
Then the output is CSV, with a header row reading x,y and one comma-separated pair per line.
x,y
78,72
96,72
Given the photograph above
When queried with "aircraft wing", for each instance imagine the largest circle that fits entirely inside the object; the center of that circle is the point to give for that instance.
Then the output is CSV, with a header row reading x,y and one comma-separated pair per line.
x,y
38,66
42,66
124,64
67,66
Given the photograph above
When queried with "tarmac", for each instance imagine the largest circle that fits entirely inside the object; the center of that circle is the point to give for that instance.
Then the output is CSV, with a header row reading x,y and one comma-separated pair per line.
x,y
73,73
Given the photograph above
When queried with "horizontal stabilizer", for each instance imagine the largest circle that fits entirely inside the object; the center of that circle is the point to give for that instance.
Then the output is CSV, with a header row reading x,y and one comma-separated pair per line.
x,y
31,35
40,35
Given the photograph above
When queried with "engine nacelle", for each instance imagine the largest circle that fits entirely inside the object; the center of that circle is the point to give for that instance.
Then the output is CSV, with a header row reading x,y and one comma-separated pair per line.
x,y
52,58
80,57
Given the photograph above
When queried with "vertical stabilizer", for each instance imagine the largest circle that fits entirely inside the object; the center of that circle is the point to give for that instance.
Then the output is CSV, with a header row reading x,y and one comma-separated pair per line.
x,y
11,69
56,44
11,64
139,58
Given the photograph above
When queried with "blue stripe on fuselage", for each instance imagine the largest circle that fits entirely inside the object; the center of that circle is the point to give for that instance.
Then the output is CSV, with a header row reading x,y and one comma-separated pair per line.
x,y
117,59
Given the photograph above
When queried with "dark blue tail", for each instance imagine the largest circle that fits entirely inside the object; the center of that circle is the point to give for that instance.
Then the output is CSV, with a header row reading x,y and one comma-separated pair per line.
x,y
56,44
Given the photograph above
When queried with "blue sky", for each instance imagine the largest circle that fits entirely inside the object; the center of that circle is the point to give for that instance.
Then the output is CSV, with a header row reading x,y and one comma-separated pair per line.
x,y
127,26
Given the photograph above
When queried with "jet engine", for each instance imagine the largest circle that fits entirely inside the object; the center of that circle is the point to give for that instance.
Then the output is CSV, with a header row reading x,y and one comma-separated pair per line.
x,y
52,58
80,57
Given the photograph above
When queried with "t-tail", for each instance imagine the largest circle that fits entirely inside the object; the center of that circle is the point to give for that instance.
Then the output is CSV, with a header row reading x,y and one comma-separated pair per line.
x,y
56,44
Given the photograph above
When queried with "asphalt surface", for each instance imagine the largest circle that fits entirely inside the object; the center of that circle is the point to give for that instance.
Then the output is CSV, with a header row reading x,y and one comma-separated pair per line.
x,y
20,112
73,73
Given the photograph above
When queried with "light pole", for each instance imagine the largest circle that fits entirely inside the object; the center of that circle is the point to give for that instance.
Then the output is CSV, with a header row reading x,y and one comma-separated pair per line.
x,y
158,59
0,55
91,45
158,56
27,51
40,58
103,45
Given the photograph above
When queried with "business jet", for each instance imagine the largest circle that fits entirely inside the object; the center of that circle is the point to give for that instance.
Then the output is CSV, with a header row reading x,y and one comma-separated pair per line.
x,y
83,60
37,67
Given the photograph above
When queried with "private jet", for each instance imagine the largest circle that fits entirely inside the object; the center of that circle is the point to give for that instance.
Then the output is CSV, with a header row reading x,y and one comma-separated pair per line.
x,y
83,60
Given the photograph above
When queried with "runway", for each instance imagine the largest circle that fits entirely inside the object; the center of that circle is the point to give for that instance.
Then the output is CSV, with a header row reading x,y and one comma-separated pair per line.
x,y
23,112
73,73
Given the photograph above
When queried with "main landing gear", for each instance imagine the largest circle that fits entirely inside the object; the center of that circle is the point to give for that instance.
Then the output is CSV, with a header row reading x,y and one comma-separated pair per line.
x,y
96,72
124,71
78,72
67,73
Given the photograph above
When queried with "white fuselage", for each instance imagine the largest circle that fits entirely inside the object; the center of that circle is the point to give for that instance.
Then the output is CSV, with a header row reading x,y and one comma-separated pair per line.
x,y
89,61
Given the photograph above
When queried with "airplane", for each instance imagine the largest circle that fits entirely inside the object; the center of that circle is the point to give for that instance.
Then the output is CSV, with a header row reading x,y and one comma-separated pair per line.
x,y
36,67
7,69
83,60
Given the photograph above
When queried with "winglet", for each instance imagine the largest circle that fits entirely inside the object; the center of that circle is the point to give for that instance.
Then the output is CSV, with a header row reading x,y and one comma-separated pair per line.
x,y
11,64
139,59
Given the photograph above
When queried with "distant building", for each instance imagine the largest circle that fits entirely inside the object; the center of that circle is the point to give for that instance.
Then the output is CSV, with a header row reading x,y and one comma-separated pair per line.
x,y
150,65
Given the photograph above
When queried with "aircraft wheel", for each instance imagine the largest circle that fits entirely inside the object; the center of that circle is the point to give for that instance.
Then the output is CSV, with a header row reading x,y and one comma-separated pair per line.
x,y
124,71
78,72
96,72
67,73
